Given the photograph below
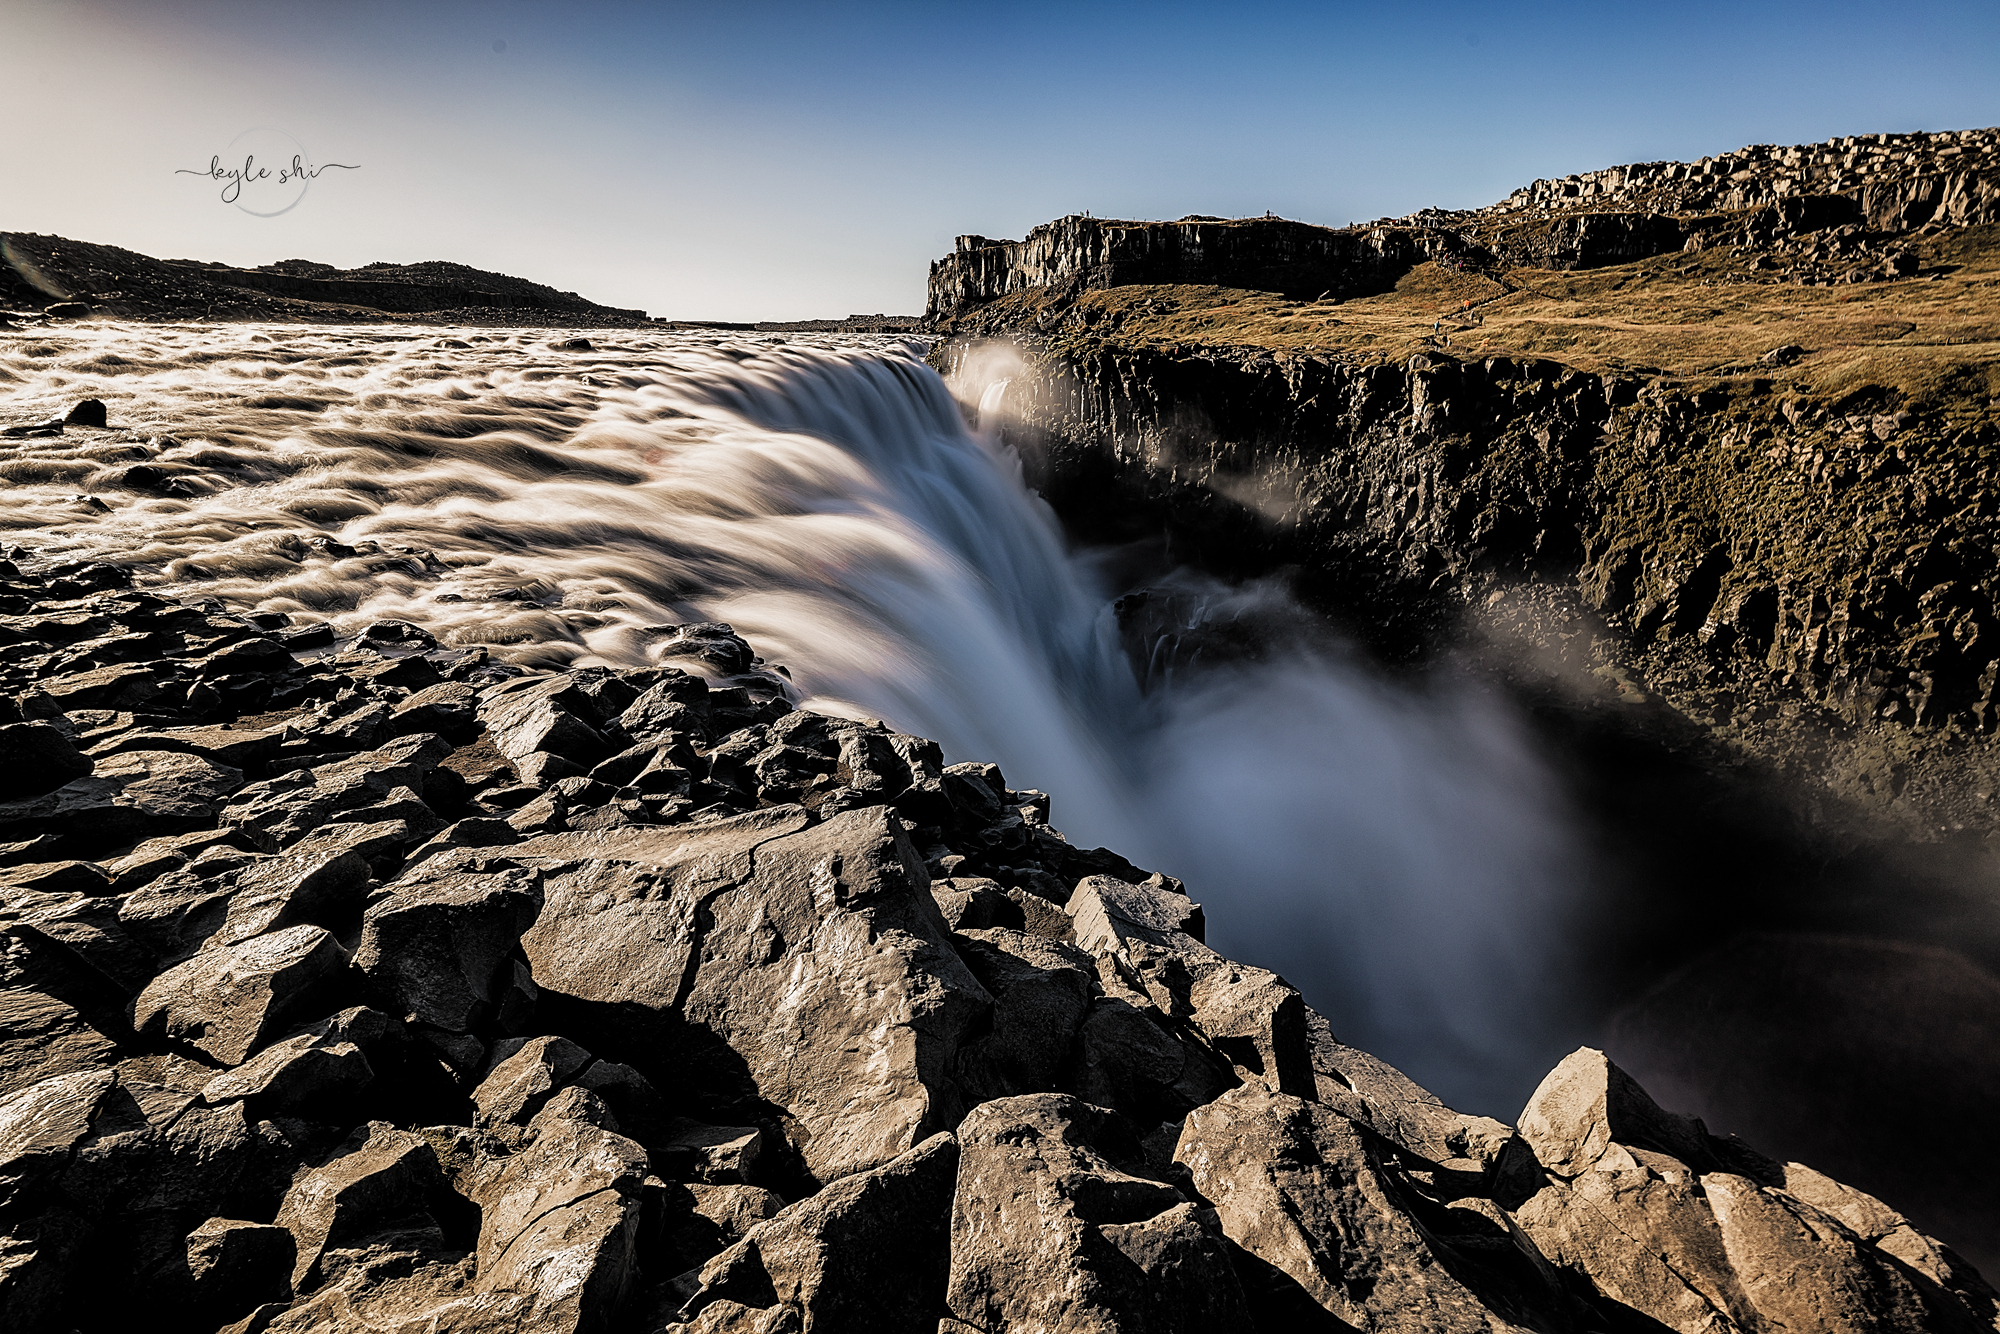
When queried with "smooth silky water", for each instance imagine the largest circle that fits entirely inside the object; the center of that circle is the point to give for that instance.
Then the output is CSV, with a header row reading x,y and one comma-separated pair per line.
x,y
1400,855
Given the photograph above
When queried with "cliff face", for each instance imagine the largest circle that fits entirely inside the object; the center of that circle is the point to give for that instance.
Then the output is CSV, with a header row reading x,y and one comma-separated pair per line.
x,y
1269,254
1894,180
1780,499
1851,554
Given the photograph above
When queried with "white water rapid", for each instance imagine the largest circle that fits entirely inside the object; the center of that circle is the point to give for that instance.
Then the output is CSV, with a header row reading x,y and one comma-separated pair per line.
x,y
1395,854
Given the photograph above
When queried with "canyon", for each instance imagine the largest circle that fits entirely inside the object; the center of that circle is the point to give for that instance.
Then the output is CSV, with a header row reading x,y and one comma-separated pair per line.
x,y
455,873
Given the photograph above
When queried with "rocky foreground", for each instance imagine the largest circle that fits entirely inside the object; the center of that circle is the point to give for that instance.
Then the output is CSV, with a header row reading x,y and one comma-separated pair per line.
x,y
370,985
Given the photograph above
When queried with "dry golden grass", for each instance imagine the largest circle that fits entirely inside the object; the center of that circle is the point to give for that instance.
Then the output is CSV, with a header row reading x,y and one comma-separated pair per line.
x,y
1707,316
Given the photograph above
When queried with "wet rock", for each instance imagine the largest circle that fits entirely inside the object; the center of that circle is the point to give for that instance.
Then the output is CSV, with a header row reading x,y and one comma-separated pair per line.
x,y
525,722
449,709
1050,1231
140,795
227,999
89,411
869,1251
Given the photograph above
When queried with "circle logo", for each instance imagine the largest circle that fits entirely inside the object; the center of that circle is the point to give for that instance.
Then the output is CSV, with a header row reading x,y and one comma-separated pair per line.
x,y
276,172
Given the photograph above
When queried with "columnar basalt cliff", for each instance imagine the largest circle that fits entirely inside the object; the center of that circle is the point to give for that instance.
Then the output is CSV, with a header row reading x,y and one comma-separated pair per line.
x,y
369,985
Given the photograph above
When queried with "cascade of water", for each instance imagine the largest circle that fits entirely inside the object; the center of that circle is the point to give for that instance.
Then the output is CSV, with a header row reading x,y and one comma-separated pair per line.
x,y
1397,855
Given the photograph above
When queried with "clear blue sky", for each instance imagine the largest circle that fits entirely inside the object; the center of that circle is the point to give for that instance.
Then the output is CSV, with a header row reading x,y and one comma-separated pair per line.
x,y
769,160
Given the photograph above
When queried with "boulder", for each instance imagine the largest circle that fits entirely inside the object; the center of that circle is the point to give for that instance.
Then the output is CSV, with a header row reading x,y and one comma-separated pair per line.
x,y
318,886
43,1037
519,1083
228,998
1051,1230
381,1175
525,722
1311,1194
46,1239
815,956
438,946
1152,932
1641,1204
309,1072
560,1224
1041,991
235,1265
871,1251
715,1155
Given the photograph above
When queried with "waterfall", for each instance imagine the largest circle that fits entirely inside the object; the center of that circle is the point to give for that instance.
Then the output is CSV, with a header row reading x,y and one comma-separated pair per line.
x,y
1398,854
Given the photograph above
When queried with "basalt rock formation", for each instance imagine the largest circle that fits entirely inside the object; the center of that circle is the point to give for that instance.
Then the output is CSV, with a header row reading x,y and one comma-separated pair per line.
x,y
368,985
1614,392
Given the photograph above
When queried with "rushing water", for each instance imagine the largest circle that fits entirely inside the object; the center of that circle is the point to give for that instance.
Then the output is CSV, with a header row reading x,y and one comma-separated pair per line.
x,y
1395,854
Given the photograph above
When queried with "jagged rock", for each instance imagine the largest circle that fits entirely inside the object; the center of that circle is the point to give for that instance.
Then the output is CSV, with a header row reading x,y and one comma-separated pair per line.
x,y
1250,1015
1049,1231
973,903
236,1265
870,1251
227,998
1640,1203
705,1219
520,1082
714,1155
1040,992
1308,1192
129,797
304,1073
561,1221
449,709
292,889
526,722
230,747
64,877
37,758
1375,1093
380,1176
438,946
40,1127
861,1002
43,1037
290,806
